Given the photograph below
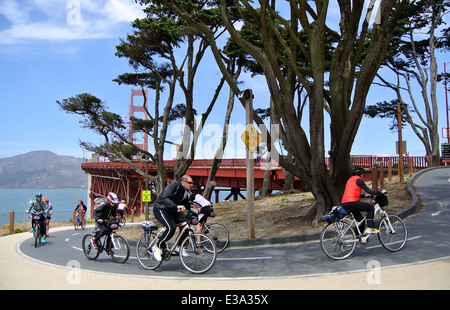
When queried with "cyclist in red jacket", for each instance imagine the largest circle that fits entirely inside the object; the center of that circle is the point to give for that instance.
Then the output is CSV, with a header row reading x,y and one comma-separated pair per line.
x,y
350,200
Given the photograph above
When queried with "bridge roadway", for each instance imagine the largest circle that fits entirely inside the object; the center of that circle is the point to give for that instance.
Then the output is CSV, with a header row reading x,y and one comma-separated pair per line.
x,y
300,265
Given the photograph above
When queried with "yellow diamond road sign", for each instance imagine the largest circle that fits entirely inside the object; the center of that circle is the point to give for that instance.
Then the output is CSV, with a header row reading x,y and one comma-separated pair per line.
x,y
146,196
251,137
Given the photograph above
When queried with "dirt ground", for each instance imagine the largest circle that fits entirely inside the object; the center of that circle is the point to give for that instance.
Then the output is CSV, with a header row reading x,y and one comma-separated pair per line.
x,y
279,214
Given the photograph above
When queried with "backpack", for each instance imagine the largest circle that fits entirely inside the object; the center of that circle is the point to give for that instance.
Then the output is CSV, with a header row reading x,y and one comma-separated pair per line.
x,y
337,213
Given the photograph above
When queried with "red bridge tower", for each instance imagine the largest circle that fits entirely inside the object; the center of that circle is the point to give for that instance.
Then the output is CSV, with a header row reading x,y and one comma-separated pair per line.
x,y
132,109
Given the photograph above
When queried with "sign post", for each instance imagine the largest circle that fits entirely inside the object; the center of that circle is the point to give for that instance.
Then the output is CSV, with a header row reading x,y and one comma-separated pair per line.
x,y
446,100
400,144
251,139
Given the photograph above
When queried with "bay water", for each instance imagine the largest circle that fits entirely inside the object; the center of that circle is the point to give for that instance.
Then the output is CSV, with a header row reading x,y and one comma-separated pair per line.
x,y
64,200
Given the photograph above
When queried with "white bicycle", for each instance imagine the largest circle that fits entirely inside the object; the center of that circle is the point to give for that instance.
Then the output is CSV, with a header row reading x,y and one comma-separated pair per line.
x,y
339,239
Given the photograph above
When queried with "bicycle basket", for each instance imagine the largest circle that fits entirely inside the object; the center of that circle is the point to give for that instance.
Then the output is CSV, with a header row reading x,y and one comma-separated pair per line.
x,y
113,225
382,200
191,219
149,225
337,213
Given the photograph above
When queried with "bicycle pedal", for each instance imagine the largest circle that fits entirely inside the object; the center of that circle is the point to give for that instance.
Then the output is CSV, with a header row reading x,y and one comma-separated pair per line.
x,y
166,255
364,239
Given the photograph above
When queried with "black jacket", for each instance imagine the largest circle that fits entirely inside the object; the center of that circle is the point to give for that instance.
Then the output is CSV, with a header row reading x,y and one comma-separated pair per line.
x,y
173,195
104,211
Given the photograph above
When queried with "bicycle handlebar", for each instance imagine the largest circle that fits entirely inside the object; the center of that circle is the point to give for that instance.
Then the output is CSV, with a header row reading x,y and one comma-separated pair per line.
x,y
373,196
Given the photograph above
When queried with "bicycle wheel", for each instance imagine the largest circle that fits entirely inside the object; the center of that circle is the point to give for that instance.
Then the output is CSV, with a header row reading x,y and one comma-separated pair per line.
x,y
119,249
198,257
77,224
144,252
338,240
37,235
219,234
89,250
393,233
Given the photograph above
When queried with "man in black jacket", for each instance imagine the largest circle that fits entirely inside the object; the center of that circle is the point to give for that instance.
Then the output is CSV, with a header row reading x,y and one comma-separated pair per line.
x,y
168,209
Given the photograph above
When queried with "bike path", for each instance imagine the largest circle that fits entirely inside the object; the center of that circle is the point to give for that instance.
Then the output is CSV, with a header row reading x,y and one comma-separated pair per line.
x,y
427,242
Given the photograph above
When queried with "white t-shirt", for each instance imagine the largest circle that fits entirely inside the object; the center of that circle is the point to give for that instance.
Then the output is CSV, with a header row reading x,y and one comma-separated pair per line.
x,y
201,201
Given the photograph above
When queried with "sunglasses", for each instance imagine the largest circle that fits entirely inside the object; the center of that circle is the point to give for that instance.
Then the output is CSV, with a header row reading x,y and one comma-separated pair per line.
x,y
189,182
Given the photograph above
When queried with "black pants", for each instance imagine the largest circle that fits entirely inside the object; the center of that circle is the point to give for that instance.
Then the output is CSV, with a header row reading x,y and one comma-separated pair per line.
x,y
103,230
203,215
169,221
355,207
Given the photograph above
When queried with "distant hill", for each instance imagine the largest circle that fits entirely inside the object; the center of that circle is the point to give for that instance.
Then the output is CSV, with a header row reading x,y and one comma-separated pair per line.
x,y
41,169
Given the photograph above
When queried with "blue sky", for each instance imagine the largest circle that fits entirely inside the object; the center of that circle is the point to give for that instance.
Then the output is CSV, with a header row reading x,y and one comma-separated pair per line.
x,y
54,49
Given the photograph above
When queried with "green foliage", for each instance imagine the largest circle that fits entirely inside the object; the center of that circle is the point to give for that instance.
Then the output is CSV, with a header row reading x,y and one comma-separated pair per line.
x,y
387,110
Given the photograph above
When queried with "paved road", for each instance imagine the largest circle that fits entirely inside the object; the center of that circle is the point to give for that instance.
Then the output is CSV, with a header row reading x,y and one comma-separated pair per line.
x,y
428,242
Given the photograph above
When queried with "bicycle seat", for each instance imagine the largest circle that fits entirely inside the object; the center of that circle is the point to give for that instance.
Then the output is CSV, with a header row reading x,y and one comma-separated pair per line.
x,y
149,225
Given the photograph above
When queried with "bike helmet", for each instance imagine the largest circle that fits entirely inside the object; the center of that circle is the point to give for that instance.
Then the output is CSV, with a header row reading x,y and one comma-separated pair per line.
x,y
112,198
38,194
358,171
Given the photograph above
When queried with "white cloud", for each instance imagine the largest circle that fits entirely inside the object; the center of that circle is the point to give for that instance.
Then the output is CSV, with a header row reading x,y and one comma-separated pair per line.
x,y
64,20
122,11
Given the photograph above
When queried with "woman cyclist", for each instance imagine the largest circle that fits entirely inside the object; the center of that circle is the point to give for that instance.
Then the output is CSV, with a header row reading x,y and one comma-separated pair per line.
x,y
81,211
49,216
350,200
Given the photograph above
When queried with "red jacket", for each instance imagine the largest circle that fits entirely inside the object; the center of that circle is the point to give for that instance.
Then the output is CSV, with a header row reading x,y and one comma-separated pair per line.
x,y
352,190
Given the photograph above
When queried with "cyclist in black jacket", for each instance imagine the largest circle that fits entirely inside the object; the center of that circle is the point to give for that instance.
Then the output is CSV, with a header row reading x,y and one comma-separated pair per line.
x,y
103,212
168,209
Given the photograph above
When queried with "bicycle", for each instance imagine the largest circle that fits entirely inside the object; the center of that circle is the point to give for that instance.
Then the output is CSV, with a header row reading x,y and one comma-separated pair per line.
x,y
338,240
79,223
197,251
114,245
37,217
218,232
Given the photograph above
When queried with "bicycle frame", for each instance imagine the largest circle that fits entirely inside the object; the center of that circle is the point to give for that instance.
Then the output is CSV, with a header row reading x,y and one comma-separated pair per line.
x,y
109,236
175,243
378,210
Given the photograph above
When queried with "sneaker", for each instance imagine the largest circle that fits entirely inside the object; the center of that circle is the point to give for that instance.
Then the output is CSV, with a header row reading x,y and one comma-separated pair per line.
x,y
93,243
157,253
32,229
43,239
371,231
183,252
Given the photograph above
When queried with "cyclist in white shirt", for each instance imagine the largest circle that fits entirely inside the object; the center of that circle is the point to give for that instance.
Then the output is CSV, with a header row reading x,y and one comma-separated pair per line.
x,y
200,206
121,207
